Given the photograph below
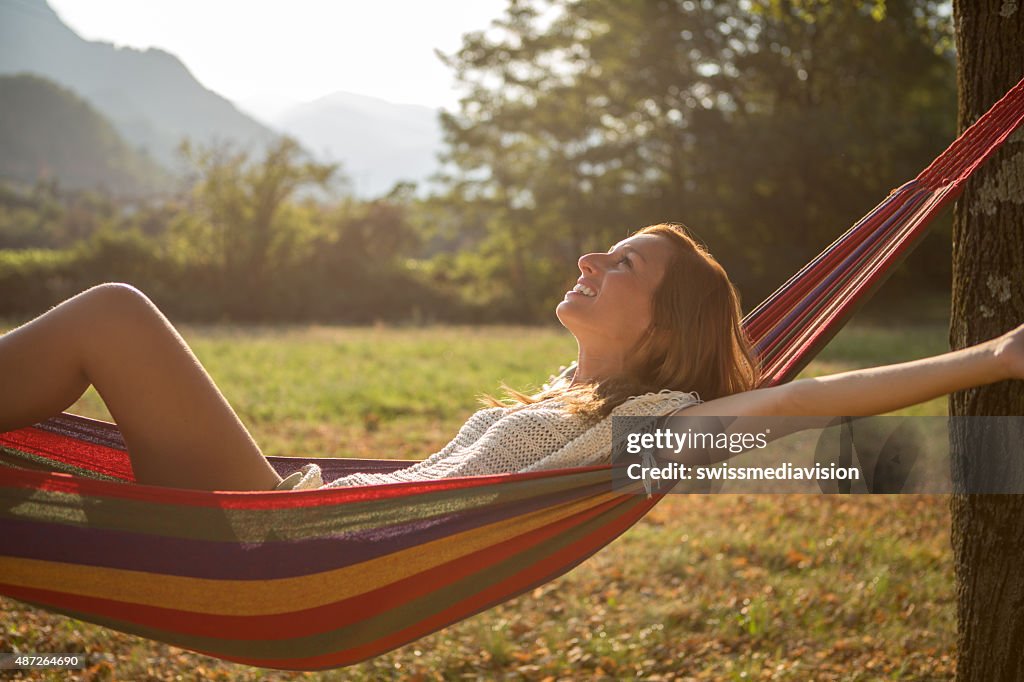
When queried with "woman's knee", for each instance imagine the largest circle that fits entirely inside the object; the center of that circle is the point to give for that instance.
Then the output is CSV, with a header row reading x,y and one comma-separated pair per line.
x,y
120,326
118,299
109,312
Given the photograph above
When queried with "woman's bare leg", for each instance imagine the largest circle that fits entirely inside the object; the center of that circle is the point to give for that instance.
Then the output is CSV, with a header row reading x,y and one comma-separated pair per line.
x,y
179,429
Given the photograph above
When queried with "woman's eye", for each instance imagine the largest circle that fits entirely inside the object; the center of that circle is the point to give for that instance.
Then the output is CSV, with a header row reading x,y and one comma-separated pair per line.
x,y
625,261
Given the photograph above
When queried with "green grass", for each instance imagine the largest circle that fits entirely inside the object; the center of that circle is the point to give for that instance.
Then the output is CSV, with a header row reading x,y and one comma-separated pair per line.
x,y
725,587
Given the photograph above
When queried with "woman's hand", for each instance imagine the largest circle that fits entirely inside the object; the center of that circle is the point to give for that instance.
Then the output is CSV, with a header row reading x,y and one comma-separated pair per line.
x,y
1009,350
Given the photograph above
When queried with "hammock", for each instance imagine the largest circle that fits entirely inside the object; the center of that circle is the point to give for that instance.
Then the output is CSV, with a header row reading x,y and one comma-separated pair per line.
x,y
319,579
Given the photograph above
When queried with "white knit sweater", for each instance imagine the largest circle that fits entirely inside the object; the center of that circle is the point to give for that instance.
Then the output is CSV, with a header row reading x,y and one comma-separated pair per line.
x,y
506,440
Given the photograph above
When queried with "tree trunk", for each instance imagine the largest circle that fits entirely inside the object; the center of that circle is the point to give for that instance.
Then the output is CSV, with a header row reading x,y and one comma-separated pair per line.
x,y
988,299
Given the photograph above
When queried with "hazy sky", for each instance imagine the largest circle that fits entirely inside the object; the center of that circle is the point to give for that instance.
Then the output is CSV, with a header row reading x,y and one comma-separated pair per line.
x,y
296,49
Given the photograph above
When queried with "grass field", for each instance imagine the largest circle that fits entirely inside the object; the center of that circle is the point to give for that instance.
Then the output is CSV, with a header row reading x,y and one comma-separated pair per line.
x,y
726,587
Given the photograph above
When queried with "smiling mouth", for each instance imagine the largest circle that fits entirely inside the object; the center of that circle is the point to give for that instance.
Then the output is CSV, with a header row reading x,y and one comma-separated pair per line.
x,y
583,290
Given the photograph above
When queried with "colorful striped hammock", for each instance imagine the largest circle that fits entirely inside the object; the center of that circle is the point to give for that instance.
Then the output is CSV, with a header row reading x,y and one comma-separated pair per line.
x,y
325,578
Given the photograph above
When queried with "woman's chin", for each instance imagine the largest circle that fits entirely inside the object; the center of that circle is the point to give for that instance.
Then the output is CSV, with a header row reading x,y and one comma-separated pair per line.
x,y
571,314
564,313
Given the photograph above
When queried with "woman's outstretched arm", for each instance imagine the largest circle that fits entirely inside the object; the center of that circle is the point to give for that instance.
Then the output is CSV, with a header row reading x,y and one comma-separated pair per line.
x,y
877,390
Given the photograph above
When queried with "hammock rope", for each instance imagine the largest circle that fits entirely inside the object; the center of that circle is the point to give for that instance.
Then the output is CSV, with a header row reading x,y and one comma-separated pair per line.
x,y
319,579
808,310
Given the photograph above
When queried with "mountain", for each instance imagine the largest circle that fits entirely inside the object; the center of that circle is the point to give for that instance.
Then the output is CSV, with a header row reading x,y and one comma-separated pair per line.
x,y
377,142
148,95
47,131
266,107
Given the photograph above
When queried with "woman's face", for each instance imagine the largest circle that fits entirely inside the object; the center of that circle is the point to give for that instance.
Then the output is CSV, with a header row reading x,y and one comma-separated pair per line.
x,y
609,309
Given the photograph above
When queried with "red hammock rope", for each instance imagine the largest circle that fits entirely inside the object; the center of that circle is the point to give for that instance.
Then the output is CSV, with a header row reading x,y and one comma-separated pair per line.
x,y
809,309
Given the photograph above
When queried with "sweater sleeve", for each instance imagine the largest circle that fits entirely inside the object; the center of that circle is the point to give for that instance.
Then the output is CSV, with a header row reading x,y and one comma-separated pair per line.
x,y
594,445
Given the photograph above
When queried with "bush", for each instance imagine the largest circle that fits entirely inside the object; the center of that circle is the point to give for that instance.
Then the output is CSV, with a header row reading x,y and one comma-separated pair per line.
x,y
32,280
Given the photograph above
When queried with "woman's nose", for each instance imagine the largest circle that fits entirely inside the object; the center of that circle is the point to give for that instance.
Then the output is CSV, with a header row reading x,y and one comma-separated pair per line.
x,y
589,263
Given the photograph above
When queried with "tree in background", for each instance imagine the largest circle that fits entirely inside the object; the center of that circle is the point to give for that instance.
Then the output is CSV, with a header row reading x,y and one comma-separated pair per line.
x,y
765,126
358,270
248,239
244,223
988,299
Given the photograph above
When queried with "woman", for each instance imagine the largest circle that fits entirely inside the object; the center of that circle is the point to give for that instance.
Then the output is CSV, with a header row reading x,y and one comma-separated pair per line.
x,y
657,324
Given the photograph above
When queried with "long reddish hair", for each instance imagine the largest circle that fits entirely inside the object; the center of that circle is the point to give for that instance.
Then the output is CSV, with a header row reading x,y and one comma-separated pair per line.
x,y
695,341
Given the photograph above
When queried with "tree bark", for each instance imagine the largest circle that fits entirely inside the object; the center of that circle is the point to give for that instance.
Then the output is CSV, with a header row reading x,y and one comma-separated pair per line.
x,y
988,299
